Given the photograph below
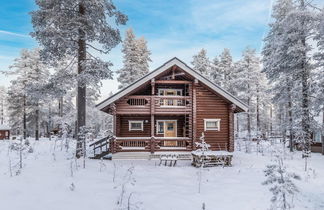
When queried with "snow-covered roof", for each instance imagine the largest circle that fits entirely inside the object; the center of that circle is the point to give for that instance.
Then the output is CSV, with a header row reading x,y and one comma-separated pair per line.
x,y
164,67
4,127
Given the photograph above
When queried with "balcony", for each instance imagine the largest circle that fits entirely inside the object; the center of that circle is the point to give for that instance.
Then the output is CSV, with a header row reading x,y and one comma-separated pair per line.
x,y
161,105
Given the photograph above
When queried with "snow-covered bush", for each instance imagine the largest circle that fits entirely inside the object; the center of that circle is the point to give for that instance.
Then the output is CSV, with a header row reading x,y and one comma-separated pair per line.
x,y
202,146
282,185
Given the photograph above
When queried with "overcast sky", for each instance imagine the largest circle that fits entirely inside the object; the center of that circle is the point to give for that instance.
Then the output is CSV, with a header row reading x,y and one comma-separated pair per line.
x,y
172,28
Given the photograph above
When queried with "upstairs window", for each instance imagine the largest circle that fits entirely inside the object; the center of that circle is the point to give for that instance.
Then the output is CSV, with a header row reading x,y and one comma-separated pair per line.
x,y
212,124
136,125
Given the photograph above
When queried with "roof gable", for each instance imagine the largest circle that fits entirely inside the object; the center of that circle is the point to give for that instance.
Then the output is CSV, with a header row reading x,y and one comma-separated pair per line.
x,y
161,69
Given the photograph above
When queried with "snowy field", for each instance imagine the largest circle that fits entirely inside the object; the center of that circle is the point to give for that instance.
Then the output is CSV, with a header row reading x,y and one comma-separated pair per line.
x,y
52,180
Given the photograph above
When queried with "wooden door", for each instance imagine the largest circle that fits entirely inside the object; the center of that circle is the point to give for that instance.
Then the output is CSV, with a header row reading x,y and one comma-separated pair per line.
x,y
170,130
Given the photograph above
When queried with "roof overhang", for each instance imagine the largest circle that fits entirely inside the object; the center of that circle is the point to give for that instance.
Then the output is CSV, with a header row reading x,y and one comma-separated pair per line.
x,y
174,61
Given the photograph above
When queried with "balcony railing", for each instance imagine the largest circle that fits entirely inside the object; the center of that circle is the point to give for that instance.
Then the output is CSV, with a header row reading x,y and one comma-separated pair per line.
x,y
141,104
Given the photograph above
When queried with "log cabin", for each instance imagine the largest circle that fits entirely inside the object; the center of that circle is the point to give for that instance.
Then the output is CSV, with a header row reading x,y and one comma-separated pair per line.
x,y
4,132
168,109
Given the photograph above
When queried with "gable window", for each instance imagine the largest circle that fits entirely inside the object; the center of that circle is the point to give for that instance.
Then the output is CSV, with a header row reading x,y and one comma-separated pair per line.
x,y
136,125
212,124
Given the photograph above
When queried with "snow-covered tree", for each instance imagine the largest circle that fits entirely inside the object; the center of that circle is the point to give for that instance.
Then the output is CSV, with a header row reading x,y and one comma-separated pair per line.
x,y
135,60
201,63
275,65
215,74
26,93
282,184
249,73
70,28
225,66
3,105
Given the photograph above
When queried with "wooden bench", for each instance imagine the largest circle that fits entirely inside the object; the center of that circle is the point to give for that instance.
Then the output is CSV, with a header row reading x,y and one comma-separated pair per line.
x,y
171,158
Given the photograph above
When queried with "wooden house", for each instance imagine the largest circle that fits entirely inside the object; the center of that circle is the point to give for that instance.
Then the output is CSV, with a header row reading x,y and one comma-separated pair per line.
x,y
4,132
168,109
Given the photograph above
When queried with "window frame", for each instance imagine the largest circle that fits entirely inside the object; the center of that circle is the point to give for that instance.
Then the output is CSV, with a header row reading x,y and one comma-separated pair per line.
x,y
135,121
212,120
157,126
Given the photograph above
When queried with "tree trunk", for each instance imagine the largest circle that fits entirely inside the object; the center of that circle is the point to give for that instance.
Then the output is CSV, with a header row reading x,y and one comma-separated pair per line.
x,y
81,97
323,130
61,107
291,141
49,129
258,112
305,91
24,119
37,123
249,121
2,111
270,120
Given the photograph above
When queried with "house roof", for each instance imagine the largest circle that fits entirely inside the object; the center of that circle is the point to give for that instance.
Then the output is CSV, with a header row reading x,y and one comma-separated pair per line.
x,y
4,127
164,67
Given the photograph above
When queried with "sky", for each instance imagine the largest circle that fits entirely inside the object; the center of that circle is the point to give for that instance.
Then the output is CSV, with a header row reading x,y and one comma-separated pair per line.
x,y
172,28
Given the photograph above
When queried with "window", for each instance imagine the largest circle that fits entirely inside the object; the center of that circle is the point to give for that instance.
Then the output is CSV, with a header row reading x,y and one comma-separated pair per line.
x,y
212,124
136,125
160,127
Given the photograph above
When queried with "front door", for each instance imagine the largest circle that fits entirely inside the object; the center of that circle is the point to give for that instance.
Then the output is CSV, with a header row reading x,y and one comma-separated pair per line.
x,y
170,130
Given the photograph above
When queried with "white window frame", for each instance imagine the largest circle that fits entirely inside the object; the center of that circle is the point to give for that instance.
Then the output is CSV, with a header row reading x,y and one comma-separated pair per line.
x,y
212,120
157,126
135,121
166,89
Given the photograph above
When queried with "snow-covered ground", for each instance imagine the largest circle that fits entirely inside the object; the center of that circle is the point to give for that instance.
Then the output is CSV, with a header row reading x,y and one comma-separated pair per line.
x,y
50,180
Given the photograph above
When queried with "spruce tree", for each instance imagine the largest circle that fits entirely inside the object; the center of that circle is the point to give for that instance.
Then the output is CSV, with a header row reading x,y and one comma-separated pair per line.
x,y
201,63
135,60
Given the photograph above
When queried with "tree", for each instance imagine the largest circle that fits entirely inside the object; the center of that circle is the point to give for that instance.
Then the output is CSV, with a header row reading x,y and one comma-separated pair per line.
x,y
3,104
299,28
215,74
201,63
25,94
69,28
275,65
225,67
135,59
319,71
282,185
249,71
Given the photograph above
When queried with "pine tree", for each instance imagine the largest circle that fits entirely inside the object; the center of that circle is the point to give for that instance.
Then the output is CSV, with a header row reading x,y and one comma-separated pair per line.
x,y
225,67
26,93
215,74
201,63
277,64
69,28
3,105
249,71
136,59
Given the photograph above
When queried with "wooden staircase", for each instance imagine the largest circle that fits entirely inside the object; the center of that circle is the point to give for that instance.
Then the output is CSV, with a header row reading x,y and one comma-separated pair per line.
x,y
101,148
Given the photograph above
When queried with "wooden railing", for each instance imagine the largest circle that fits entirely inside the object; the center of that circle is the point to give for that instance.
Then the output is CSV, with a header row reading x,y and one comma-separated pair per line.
x,y
101,147
151,144
173,143
141,104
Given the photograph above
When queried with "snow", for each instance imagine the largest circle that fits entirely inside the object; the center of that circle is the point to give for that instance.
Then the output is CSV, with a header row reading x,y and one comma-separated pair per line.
x,y
4,127
211,153
45,182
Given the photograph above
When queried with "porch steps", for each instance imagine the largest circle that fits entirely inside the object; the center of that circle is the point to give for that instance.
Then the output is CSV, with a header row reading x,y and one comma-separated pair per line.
x,y
131,156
